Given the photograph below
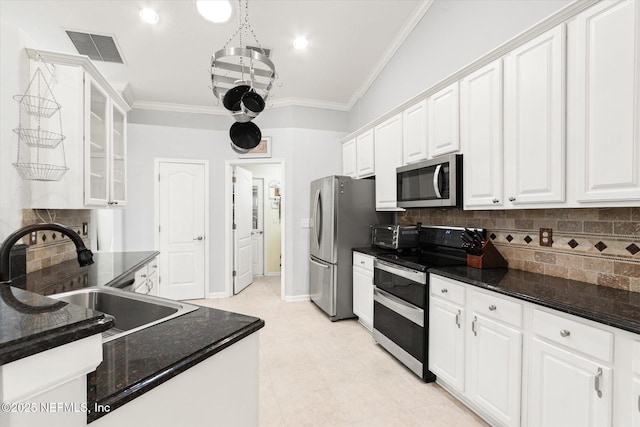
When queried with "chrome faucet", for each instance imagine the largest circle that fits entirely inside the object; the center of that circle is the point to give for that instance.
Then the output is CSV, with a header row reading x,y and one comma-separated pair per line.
x,y
85,256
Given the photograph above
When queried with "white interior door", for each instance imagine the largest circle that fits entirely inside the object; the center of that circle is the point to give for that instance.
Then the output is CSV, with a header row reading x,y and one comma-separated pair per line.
x,y
257,227
242,197
182,225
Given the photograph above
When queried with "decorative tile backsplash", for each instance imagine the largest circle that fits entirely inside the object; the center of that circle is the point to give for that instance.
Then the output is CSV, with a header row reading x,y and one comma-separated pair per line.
x,y
599,246
50,247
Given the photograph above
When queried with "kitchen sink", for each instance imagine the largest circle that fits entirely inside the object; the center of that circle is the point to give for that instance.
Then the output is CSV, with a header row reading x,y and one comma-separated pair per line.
x,y
132,312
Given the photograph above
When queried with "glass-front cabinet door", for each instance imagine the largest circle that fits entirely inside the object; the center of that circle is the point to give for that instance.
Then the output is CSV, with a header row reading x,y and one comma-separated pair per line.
x,y
96,134
118,196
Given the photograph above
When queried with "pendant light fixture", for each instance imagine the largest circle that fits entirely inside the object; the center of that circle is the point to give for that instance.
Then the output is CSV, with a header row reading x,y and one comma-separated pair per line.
x,y
242,76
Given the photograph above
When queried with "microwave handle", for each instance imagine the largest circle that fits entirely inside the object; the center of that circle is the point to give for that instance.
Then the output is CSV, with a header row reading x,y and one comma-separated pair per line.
x,y
436,181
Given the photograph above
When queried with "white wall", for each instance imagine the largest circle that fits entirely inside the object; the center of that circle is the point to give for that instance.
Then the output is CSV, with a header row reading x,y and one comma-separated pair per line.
x,y
14,79
308,154
452,34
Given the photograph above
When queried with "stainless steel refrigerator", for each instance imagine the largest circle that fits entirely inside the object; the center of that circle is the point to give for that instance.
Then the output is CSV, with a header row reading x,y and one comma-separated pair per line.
x,y
342,209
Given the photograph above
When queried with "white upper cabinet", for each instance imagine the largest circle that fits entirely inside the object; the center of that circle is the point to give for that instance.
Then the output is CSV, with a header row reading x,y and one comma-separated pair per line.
x,y
94,121
414,130
604,120
481,137
349,159
365,154
443,121
388,154
534,132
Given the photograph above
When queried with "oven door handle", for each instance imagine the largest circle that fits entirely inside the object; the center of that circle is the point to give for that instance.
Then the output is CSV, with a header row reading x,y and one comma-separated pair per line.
x,y
403,308
407,273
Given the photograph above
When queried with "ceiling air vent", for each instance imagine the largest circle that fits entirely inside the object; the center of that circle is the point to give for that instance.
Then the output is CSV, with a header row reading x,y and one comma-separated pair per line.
x,y
96,47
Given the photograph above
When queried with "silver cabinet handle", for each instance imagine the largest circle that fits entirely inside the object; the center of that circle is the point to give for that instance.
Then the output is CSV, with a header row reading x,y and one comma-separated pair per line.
x,y
639,403
362,262
565,333
512,199
597,382
143,275
458,318
198,238
492,307
444,290
496,201
473,325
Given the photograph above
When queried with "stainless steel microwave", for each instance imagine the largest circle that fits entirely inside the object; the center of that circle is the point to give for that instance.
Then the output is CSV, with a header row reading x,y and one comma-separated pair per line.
x,y
432,183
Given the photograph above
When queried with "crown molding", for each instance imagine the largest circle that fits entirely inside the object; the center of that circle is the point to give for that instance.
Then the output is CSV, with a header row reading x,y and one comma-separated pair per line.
x,y
179,108
60,58
220,111
408,27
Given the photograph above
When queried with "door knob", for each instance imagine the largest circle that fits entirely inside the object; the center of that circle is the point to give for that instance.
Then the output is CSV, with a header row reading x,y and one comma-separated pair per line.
x,y
199,238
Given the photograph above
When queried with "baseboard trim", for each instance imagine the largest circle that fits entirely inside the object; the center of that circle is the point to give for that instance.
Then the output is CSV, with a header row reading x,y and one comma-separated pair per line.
x,y
296,298
273,273
216,295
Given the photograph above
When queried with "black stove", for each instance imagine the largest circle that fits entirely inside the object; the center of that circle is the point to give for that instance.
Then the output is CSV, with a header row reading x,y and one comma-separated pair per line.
x,y
401,308
438,247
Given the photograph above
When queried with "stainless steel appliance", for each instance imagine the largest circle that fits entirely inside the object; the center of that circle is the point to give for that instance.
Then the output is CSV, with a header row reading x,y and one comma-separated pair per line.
x,y
395,236
432,183
342,210
400,301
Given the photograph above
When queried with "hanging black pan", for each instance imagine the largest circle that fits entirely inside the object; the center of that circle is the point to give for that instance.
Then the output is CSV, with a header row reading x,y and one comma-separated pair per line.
x,y
245,136
232,98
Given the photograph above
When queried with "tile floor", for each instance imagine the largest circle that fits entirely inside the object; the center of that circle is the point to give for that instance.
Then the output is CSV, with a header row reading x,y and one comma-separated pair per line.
x,y
317,373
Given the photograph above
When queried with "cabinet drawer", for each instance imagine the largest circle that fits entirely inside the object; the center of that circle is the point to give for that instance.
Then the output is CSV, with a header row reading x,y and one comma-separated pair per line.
x,y
577,336
363,261
152,266
496,307
447,289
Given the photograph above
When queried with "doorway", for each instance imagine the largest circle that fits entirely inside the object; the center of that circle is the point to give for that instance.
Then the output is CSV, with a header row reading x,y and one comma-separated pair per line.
x,y
269,175
182,227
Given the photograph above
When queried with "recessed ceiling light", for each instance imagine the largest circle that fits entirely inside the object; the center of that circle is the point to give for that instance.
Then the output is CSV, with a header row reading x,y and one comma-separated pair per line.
x,y
300,43
149,16
217,11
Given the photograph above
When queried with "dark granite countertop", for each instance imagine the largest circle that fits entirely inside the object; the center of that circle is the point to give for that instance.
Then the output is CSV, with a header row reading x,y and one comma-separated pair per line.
x,y
132,364
107,268
136,363
372,250
610,306
31,323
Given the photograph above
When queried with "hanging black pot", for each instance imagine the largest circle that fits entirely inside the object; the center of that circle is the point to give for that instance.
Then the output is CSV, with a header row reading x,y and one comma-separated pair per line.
x,y
232,98
251,103
245,136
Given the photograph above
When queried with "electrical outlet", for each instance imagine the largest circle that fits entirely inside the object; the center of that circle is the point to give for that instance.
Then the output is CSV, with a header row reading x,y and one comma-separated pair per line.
x,y
305,223
546,236
33,238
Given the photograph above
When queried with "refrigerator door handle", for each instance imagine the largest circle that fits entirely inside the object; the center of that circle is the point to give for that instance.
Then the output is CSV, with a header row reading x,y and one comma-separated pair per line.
x,y
317,263
317,215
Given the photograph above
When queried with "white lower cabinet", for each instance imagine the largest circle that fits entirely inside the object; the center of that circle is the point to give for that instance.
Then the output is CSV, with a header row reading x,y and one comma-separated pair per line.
x,y
478,355
494,366
446,342
567,389
635,402
146,279
363,288
476,343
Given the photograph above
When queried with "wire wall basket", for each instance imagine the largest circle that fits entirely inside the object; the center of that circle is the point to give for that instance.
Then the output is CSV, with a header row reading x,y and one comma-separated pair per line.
x,y
39,106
